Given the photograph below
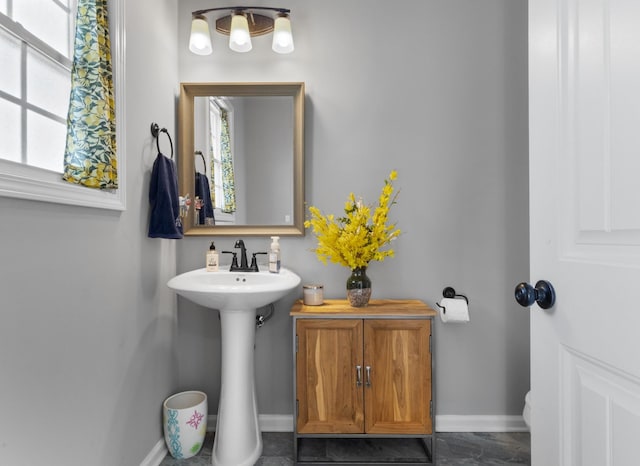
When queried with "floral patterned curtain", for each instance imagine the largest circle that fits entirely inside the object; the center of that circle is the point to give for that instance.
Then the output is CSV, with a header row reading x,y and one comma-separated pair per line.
x,y
90,154
228,179
212,154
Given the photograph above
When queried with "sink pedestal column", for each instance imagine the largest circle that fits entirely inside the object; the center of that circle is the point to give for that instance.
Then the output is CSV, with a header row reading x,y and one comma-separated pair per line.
x,y
238,440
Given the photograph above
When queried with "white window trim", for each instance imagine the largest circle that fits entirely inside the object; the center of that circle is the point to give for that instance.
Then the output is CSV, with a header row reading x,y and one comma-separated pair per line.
x,y
226,218
36,184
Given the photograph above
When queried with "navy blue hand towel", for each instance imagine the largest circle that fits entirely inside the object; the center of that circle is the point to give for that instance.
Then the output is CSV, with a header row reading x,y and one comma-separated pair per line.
x,y
203,191
165,219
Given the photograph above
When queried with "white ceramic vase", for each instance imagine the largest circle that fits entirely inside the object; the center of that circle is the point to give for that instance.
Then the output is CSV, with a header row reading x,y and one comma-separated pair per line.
x,y
185,423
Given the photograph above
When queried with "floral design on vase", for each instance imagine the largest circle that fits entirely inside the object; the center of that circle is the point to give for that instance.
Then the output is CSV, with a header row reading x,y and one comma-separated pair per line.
x,y
173,429
195,420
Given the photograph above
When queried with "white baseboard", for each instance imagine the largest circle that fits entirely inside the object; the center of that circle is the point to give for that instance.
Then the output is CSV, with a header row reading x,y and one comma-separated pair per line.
x,y
444,423
267,422
156,455
276,422
453,423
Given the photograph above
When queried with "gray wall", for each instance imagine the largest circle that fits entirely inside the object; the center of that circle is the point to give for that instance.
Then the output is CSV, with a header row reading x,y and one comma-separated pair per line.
x,y
87,325
268,155
442,99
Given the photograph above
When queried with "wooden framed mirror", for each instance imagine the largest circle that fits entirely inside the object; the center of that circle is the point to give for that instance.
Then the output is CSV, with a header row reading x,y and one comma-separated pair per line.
x,y
258,128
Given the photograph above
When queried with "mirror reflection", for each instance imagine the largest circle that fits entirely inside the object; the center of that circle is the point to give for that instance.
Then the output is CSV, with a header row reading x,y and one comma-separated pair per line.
x,y
241,158
243,148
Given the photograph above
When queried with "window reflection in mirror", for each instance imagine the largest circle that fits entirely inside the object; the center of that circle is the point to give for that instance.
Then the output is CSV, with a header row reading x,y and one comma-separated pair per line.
x,y
215,175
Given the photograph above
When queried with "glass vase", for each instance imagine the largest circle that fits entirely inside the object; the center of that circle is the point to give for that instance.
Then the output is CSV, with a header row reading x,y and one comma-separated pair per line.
x,y
358,287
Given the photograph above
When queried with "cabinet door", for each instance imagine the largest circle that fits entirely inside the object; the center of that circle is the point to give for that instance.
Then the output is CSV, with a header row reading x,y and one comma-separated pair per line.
x,y
398,386
329,398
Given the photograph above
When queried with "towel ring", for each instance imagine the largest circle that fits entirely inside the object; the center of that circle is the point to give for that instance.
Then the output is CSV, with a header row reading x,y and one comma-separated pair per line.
x,y
199,152
155,132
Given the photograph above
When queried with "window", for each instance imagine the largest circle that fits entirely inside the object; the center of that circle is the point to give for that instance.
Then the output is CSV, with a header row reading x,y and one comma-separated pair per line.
x,y
215,122
36,44
218,106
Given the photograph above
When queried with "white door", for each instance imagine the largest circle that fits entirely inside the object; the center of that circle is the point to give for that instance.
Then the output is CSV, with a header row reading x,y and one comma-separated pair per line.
x,y
584,82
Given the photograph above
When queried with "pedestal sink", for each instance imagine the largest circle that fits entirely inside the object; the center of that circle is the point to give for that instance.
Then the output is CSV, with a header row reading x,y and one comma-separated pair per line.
x,y
237,295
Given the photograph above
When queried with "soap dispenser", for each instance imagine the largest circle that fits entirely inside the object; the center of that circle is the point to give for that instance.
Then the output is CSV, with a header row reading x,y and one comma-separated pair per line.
x,y
212,259
274,255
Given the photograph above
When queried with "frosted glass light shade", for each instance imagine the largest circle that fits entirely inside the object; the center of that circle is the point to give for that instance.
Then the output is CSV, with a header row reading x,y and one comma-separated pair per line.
x,y
282,37
239,39
200,39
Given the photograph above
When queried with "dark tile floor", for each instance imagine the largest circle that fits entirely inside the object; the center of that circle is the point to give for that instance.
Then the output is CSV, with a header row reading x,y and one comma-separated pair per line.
x,y
453,449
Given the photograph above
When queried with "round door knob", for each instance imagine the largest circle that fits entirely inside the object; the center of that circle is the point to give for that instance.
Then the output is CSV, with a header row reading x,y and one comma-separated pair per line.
x,y
543,294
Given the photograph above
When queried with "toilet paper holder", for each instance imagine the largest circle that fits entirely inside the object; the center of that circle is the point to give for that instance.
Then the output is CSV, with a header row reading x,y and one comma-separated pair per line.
x,y
449,292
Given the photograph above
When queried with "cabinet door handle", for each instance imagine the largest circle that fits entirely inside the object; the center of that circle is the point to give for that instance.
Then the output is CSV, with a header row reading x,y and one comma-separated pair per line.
x,y
368,372
358,376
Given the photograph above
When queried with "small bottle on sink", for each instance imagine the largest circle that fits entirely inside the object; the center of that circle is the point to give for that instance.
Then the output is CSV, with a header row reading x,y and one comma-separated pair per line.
x,y
274,255
212,258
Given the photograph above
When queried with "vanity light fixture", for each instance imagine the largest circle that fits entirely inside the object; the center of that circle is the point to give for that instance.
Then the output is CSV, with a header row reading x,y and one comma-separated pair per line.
x,y
241,24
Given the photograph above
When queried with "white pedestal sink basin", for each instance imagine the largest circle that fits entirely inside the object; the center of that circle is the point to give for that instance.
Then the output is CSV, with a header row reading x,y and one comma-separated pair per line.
x,y
237,295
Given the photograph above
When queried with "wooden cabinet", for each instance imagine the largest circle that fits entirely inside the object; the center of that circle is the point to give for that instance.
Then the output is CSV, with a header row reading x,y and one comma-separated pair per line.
x,y
329,398
363,371
397,376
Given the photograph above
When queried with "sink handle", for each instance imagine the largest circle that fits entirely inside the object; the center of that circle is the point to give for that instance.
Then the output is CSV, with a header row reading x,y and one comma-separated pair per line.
x,y
234,261
254,263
